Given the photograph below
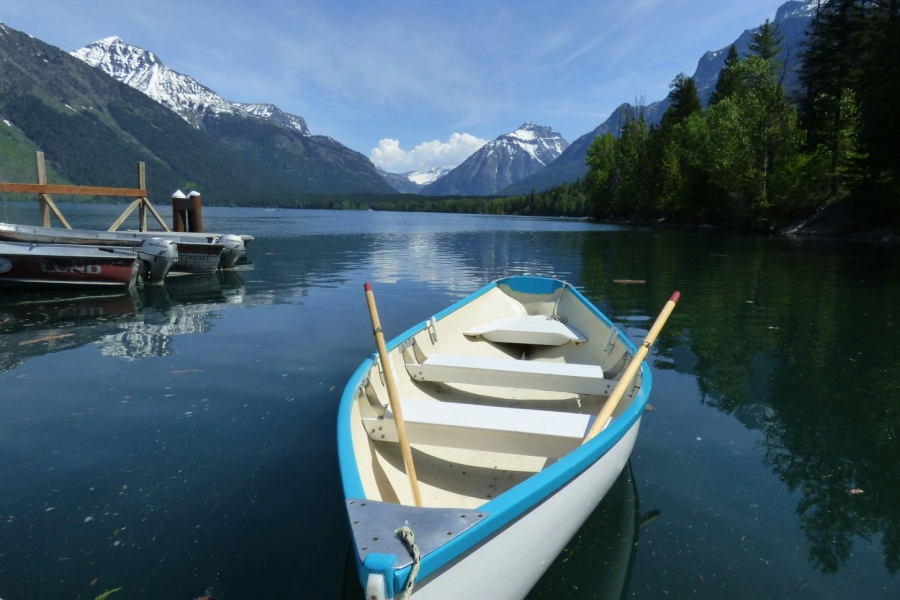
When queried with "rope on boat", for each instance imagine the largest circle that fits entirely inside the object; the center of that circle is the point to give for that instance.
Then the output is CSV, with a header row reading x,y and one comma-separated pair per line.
x,y
409,540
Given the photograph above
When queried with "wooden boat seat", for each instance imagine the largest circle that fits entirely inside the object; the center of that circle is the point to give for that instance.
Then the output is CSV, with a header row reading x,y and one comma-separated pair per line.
x,y
487,428
511,373
527,329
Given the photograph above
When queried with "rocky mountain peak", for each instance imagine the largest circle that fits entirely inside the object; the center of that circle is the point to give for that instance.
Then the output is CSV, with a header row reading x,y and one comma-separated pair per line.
x,y
273,114
142,70
500,163
541,143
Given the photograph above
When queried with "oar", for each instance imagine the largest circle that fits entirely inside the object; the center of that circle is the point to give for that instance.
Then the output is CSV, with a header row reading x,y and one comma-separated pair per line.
x,y
613,401
393,397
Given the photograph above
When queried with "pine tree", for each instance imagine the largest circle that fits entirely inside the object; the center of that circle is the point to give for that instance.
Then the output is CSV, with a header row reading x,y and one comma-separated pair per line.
x,y
766,42
685,99
829,73
601,160
879,96
729,82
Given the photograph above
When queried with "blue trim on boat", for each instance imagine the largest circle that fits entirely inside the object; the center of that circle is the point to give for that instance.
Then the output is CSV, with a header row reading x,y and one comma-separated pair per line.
x,y
353,487
507,507
528,284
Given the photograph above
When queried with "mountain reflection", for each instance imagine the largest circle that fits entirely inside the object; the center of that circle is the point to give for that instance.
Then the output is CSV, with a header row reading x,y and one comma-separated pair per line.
x,y
134,324
797,342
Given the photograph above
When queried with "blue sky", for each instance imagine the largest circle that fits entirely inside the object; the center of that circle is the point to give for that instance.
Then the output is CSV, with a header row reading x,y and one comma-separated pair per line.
x,y
414,83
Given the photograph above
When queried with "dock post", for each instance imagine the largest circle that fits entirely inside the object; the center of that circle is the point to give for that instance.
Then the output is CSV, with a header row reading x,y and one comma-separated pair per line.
x,y
179,211
142,210
195,216
46,202
42,180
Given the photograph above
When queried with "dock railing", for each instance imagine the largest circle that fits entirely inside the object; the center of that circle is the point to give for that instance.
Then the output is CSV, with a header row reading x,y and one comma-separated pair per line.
x,y
43,190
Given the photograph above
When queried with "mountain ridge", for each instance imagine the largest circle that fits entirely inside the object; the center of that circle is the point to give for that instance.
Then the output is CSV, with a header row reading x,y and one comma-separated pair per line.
x,y
792,19
145,72
497,164
93,129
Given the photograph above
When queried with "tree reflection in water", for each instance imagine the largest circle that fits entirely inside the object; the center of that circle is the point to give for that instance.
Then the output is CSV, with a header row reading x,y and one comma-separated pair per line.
x,y
796,339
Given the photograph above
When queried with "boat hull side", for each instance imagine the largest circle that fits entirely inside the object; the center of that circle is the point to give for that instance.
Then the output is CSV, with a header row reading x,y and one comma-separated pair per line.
x,y
509,563
197,258
53,271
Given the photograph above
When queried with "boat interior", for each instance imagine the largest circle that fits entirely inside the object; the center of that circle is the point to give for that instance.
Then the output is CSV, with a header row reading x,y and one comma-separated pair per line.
x,y
490,394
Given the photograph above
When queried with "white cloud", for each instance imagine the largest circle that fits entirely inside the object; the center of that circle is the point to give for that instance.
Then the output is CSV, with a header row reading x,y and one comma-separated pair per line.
x,y
391,157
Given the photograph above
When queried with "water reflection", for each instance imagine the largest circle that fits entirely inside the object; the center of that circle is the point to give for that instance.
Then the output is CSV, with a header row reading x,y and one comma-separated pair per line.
x,y
135,324
782,356
183,306
598,561
455,263
460,262
783,340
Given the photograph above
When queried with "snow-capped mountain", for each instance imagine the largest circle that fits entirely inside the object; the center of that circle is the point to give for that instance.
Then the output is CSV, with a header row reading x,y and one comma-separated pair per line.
x,y
399,182
426,176
412,182
502,162
109,125
272,113
792,19
142,70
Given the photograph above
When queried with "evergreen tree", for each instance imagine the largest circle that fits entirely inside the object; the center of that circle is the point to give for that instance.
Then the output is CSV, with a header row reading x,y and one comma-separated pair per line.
x,y
766,42
601,160
664,175
829,73
879,97
685,100
754,141
633,167
729,82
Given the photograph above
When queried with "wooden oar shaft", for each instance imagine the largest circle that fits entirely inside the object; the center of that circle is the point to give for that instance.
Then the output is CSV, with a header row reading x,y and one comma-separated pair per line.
x,y
631,370
393,397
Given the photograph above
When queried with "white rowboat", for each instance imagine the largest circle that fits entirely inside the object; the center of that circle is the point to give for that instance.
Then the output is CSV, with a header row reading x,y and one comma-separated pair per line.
x,y
497,393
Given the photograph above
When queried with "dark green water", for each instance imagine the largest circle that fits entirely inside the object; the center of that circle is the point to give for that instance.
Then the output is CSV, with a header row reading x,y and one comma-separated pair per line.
x,y
181,442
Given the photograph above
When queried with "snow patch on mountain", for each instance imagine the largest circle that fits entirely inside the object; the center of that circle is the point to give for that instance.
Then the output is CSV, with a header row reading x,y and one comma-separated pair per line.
x,y
142,70
500,163
426,176
270,112
541,143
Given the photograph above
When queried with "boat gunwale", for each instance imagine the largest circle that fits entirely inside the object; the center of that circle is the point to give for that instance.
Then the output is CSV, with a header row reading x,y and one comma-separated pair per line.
x,y
510,505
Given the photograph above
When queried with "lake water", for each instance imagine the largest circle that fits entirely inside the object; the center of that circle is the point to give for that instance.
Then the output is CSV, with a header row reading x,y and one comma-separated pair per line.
x,y
181,442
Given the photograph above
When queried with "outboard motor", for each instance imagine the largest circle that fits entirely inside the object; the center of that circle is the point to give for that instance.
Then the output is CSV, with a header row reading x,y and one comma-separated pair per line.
x,y
159,256
234,250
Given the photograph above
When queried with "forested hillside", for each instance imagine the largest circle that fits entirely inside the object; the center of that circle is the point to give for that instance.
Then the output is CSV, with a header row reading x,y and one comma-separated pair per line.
x,y
758,159
94,130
